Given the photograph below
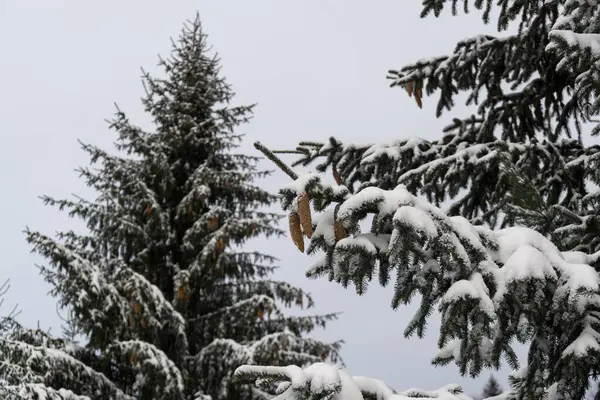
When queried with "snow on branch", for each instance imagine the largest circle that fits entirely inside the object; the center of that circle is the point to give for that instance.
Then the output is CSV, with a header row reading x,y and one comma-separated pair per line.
x,y
477,53
41,366
575,40
150,312
322,381
491,286
29,391
221,356
155,372
82,285
437,168
108,297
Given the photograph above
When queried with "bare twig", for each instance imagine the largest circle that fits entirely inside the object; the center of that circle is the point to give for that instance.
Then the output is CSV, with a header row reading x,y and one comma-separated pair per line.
x,y
59,314
3,290
313,144
271,156
4,287
287,152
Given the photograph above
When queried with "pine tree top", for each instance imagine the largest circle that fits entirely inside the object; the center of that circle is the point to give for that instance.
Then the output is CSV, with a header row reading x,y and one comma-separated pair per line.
x,y
492,388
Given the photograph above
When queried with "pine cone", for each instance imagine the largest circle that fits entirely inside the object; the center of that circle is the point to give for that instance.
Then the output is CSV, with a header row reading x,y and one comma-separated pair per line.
x,y
409,88
137,308
213,222
339,231
252,232
304,213
419,96
182,293
295,231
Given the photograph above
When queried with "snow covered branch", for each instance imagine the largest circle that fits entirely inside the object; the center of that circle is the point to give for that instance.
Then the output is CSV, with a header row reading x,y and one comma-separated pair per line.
x,y
491,286
437,169
575,40
322,381
36,368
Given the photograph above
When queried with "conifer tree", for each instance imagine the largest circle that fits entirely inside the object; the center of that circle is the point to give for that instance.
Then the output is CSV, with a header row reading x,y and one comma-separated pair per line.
x,y
535,93
532,92
170,301
492,286
492,388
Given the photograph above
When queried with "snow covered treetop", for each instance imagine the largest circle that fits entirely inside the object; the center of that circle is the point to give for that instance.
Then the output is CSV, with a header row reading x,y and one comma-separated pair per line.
x,y
491,286
321,381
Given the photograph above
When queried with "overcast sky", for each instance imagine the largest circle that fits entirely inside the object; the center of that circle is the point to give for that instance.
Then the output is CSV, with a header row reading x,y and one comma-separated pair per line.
x,y
315,68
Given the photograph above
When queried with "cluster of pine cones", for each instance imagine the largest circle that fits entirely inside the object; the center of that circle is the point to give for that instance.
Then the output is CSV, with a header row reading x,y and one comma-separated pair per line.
x,y
301,223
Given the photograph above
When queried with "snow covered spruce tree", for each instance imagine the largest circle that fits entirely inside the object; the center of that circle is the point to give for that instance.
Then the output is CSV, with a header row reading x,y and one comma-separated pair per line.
x,y
530,92
492,388
160,285
492,287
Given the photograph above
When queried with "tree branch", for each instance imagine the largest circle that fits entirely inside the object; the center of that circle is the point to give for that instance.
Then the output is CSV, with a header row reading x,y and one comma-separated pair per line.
x,y
271,156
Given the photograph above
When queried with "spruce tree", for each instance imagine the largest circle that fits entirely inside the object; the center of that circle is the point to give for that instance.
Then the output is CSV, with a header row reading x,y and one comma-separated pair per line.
x,y
492,388
170,301
519,159
493,287
532,92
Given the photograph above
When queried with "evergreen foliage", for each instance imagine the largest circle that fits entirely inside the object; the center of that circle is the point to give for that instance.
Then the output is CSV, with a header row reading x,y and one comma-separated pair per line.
x,y
321,381
533,90
492,287
520,159
492,388
169,300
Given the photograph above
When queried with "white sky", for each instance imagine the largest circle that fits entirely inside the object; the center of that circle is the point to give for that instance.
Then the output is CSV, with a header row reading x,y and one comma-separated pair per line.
x,y
315,68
